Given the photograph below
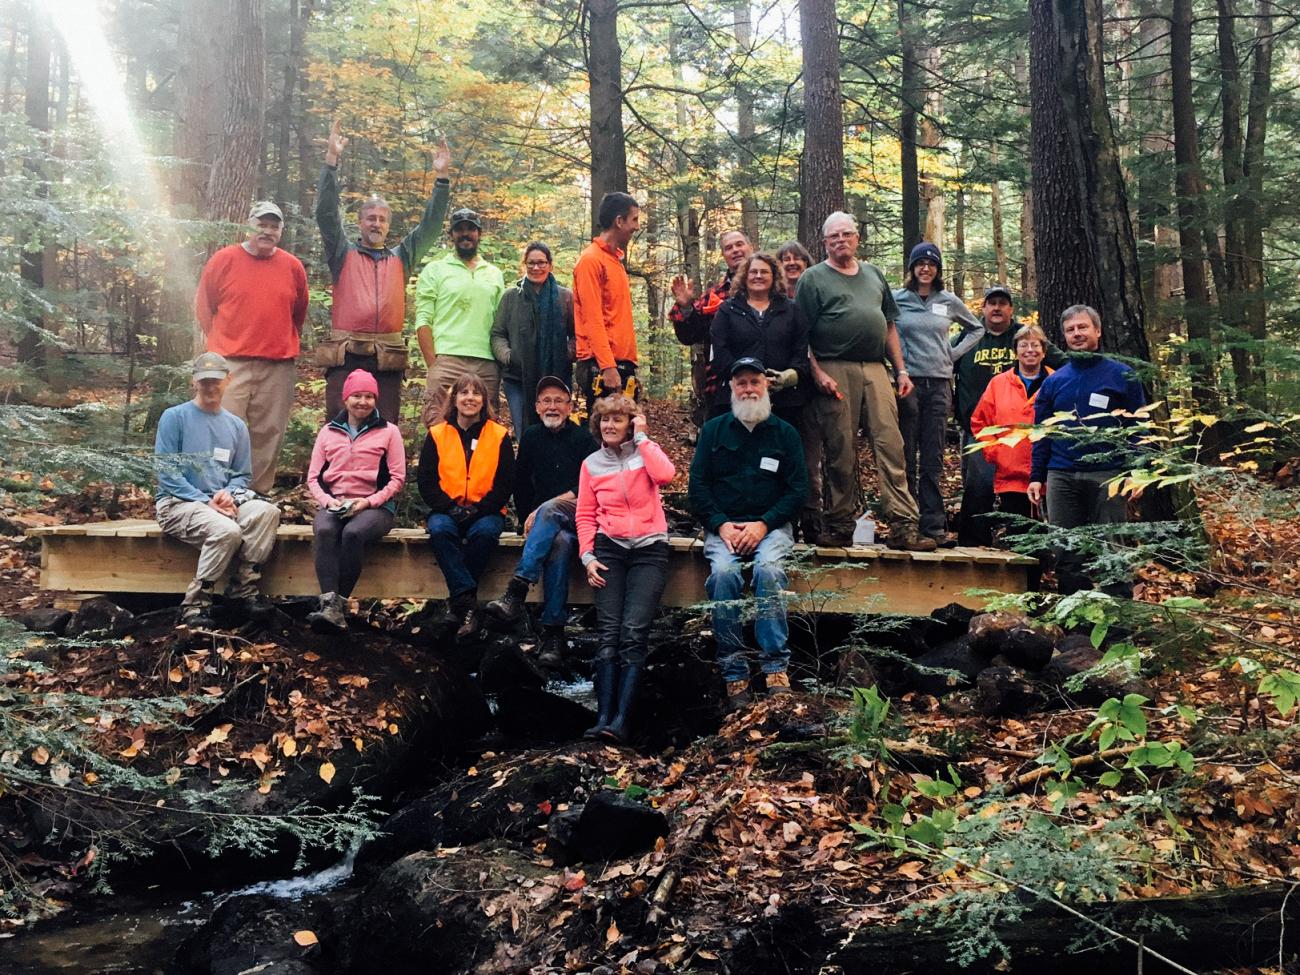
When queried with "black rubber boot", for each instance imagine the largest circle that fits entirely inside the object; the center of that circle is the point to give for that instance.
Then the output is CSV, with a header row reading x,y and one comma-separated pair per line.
x,y
605,677
628,679
510,607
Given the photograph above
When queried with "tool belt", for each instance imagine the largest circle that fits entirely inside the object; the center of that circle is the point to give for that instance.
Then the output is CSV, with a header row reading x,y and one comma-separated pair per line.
x,y
388,349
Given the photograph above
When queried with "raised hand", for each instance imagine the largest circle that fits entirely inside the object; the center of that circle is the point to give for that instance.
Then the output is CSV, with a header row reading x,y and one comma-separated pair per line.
x,y
335,144
442,161
683,290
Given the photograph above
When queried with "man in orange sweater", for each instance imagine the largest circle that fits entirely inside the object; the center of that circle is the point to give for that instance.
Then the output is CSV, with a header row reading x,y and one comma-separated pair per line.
x,y
251,303
602,304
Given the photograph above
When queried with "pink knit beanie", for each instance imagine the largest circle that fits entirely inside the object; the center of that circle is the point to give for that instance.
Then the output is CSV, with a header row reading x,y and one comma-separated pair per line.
x,y
359,381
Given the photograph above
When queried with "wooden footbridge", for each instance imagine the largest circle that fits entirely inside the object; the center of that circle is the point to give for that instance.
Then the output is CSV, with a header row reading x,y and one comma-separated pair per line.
x,y
135,556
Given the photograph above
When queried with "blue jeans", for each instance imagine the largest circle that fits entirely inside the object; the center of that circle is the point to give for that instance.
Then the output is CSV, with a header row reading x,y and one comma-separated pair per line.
x,y
463,554
626,604
547,552
725,585
520,408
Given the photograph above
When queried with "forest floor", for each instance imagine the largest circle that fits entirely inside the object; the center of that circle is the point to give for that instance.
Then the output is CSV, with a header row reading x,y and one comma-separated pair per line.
x,y
761,818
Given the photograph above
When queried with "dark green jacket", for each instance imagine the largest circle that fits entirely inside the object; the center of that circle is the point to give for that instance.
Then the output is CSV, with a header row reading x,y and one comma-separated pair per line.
x,y
743,475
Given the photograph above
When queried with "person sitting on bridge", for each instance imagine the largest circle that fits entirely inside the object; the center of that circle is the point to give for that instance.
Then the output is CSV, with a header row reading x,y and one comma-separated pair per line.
x,y
748,483
205,463
623,538
466,471
546,497
358,467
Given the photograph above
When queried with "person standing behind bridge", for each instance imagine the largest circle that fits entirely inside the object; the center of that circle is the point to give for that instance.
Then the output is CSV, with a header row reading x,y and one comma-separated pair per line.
x,y
251,303
602,304
204,460
369,305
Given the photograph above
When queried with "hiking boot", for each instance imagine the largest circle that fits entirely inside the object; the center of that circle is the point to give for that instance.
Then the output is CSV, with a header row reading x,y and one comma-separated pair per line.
x,y
738,697
510,607
604,678
196,610
550,653
467,617
778,684
243,592
628,679
910,540
833,539
809,529
330,616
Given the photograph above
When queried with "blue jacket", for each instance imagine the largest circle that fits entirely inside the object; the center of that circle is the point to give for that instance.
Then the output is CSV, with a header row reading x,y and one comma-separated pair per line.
x,y
1090,386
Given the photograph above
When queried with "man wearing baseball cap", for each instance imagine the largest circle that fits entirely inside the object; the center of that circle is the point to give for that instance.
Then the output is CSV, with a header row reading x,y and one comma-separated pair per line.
x,y
748,483
546,499
203,457
455,301
250,304
995,352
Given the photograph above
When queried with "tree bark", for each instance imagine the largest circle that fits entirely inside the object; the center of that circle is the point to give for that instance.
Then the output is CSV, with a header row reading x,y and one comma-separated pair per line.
x,y
910,98
1154,226
688,217
1028,271
959,242
36,104
232,179
933,201
1187,159
822,167
604,74
1084,247
743,23
1249,372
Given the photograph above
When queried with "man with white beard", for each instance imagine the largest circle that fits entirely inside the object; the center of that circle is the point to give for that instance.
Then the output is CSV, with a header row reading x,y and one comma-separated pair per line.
x,y
546,498
748,483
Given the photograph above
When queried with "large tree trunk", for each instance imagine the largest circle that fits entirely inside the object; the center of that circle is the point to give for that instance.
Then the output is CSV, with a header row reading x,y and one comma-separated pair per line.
x,y
1084,247
1028,271
688,217
288,100
959,242
306,149
232,180
1250,375
932,198
604,74
1187,158
822,170
33,264
910,97
743,23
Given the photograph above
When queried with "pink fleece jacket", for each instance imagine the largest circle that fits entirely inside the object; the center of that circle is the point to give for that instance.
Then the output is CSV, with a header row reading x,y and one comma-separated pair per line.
x,y
373,466
618,493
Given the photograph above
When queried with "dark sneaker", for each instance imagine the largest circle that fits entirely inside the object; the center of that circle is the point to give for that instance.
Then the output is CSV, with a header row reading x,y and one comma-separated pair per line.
x,y
510,607
833,539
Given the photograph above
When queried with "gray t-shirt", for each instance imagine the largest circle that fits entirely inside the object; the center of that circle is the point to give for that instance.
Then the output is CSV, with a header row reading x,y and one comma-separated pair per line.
x,y
846,314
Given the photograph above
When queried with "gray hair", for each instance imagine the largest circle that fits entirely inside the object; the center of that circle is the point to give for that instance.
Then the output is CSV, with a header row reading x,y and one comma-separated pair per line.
x,y
374,202
1031,332
1075,310
836,217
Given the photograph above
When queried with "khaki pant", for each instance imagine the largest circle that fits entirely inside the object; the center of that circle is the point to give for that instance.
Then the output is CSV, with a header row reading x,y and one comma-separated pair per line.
x,y
250,535
261,393
444,373
868,394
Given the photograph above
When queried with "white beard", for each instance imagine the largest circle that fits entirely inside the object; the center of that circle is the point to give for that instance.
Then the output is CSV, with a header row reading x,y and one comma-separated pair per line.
x,y
552,422
751,411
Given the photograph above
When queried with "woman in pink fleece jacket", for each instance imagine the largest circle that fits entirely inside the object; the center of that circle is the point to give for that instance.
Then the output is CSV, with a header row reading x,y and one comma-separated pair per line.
x,y
623,540
357,468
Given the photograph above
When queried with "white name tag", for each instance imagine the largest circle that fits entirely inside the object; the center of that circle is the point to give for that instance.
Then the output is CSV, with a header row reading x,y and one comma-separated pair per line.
x,y
769,463
940,309
473,445
635,463
1099,401
221,455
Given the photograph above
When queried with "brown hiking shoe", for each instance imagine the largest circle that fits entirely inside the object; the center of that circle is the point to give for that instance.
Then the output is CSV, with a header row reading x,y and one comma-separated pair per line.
x,y
778,684
737,695
910,540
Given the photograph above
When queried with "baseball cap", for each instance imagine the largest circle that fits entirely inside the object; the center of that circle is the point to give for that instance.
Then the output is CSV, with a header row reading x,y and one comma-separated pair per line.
x,y
746,362
265,208
999,289
552,382
209,365
466,215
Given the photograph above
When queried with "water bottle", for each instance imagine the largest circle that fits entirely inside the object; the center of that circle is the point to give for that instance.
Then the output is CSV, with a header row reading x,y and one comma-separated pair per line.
x,y
864,530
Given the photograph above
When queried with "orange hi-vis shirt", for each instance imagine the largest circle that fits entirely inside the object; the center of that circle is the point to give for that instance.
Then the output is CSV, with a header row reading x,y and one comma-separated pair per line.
x,y
602,306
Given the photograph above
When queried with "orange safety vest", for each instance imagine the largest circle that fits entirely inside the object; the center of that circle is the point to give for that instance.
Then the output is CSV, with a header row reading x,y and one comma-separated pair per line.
x,y
467,486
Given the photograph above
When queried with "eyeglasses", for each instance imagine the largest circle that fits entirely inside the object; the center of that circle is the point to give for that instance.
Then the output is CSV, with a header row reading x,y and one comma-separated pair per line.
x,y
842,235
553,401
536,265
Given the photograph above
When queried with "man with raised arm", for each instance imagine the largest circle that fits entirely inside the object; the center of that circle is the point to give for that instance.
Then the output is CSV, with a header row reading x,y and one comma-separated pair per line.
x,y
602,304
1072,468
850,312
203,457
692,318
369,307
251,303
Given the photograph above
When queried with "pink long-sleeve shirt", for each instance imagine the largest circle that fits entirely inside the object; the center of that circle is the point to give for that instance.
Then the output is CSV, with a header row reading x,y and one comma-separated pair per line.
x,y
373,466
618,494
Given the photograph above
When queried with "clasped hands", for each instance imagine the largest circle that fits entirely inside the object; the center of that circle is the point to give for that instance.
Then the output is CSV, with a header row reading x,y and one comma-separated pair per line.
x,y
742,537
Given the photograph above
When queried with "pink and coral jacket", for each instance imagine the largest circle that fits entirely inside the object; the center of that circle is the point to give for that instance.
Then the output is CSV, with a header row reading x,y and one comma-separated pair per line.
x,y
618,492
373,466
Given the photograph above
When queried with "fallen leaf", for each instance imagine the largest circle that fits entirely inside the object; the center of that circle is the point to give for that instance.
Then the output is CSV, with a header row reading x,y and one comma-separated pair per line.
x,y
220,733
175,676
327,772
612,933
40,755
289,747
305,938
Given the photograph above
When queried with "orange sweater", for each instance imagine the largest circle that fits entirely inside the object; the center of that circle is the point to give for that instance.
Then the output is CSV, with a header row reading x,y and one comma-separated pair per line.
x,y
252,307
602,306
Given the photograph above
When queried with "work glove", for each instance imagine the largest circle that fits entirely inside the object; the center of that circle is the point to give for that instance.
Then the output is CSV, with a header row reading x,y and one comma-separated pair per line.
x,y
782,379
463,514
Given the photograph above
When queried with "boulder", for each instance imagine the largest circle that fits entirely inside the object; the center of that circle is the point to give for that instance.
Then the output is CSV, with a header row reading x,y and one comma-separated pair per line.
x,y
1076,655
1007,692
989,630
956,656
256,934
954,618
1028,647
46,619
533,714
612,826
505,665
100,615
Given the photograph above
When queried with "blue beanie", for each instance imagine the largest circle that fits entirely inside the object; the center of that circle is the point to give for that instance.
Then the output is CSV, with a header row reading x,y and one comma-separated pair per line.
x,y
924,251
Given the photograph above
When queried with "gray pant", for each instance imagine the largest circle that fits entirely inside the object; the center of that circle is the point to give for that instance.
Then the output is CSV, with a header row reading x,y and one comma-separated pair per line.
x,y
1075,499
250,535
923,422
338,546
